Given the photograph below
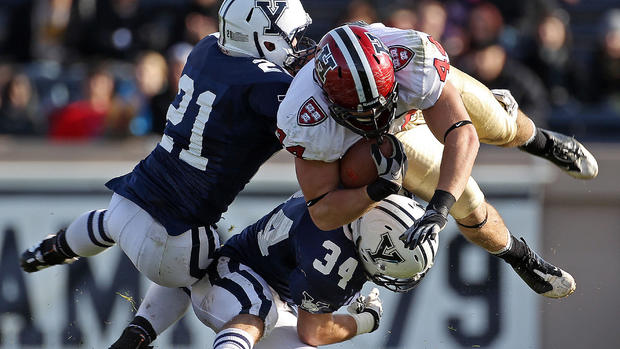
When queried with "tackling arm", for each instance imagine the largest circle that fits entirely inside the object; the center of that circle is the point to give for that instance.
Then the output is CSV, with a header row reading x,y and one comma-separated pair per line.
x,y
318,178
323,329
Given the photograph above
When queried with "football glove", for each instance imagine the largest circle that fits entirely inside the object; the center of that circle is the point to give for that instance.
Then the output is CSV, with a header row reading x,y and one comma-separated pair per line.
x,y
432,222
507,100
367,311
391,170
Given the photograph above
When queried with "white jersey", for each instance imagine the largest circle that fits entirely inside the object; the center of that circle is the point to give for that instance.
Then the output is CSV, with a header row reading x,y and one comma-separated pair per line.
x,y
306,130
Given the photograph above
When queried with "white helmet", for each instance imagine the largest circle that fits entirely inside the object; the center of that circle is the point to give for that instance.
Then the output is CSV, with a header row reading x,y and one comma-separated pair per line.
x,y
266,29
384,256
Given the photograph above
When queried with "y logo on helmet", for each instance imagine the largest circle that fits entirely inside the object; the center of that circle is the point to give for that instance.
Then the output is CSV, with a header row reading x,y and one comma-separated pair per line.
x,y
386,251
377,44
324,62
273,10
401,56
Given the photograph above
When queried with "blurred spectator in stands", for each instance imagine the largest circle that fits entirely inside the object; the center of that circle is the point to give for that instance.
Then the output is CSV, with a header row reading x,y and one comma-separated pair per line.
x,y
485,25
359,10
15,30
51,19
550,56
605,73
199,20
403,18
176,58
151,73
19,111
432,18
107,28
495,69
100,113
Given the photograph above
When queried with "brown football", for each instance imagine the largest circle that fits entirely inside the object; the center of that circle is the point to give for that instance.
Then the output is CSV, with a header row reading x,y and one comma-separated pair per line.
x,y
357,168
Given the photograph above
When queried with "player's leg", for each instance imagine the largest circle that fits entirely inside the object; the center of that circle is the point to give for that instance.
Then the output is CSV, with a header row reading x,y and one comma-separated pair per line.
x,y
478,221
236,303
496,126
284,334
160,309
84,237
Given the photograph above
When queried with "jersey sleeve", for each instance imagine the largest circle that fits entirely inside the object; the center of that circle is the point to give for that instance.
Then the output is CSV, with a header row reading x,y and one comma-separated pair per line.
x,y
421,64
265,98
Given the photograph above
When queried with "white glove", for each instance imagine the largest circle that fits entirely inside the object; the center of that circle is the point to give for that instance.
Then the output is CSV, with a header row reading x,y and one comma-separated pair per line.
x,y
507,100
367,311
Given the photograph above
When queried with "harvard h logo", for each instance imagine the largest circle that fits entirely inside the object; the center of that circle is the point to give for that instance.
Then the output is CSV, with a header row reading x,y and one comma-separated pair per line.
x,y
385,251
273,10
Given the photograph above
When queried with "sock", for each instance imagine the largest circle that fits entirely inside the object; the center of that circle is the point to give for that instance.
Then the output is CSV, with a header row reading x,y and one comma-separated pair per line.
x,y
233,338
86,236
163,306
537,145
144,326
62,247
515,251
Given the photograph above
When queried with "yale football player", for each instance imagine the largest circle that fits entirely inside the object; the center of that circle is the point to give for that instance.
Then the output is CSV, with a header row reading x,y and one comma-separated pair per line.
x,y
281,279
397,85
220,129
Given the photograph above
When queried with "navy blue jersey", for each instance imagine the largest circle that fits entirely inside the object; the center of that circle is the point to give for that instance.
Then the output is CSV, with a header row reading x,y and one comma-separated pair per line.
x,y
317,270
220,129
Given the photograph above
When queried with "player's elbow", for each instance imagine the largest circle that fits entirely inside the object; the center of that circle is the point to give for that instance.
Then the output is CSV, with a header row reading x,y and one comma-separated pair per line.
x,y
322,220
310,335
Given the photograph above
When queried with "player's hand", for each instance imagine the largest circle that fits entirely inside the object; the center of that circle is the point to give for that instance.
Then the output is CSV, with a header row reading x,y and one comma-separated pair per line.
x,y
391,169
507,100
368,304
427,227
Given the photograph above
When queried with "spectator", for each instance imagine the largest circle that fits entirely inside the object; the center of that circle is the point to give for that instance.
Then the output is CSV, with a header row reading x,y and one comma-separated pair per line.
x,y
550,57
485,25
403,18
176,58
605,73
99,114
360,10
19,111
432,18
151,79
495,69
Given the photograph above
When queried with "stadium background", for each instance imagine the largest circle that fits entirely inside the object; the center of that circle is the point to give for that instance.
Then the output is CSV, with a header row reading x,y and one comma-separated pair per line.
x,y
84,87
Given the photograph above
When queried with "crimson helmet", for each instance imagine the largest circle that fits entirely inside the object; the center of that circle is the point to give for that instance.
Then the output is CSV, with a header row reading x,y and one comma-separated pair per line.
x,y
355,70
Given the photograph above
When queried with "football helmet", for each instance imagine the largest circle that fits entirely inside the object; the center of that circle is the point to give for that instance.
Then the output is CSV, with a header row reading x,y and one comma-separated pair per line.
x,y
270,29
386,260
355,70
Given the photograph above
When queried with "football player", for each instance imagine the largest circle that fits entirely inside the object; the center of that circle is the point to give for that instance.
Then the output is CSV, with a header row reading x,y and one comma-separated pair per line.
x,y
220,129
284,276
397,85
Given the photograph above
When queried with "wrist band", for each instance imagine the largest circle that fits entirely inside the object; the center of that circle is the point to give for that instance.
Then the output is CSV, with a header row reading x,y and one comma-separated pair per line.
x,y
442,202
365,322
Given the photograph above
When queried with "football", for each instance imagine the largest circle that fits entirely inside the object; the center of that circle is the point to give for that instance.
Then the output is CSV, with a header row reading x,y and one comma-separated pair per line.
x,y
357,168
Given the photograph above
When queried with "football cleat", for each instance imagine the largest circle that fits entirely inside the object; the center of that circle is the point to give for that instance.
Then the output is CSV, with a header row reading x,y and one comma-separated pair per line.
x,y
43,255
542,277
570,155
132,338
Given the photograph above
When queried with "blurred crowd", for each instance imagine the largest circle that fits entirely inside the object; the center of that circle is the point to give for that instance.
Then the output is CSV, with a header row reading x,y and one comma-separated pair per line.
x,y
99,69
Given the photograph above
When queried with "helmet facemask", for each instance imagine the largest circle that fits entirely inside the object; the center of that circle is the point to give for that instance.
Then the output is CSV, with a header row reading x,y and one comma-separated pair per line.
x,y
371,120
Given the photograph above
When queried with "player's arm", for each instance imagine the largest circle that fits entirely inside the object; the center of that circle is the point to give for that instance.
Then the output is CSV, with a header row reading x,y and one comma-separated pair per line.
x,y
328,328
329,206
323,329
450,124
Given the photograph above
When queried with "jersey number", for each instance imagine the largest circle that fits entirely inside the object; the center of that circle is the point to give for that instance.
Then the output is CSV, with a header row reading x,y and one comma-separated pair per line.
x,y
346,269
193,154
442,65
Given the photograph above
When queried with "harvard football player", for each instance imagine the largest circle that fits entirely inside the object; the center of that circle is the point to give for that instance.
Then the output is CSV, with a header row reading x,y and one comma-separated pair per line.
x,y
397,85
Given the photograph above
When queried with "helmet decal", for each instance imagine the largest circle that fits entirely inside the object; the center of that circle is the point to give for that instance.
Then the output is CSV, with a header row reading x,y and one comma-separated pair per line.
x,y
324,62
360,69
273,10
385,251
